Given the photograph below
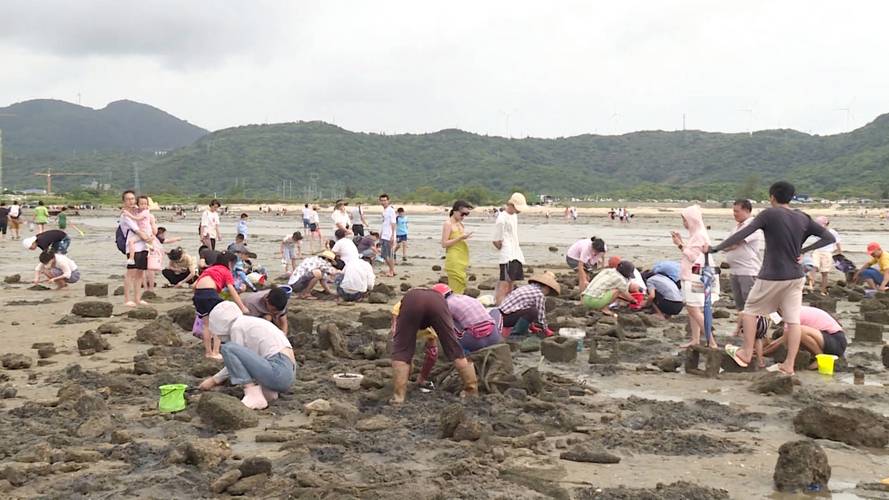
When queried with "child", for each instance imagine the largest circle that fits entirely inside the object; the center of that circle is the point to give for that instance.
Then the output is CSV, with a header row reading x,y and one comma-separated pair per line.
x,y
62,219
609,285
210,283
400,234
291,250
242,226
147,229
41,216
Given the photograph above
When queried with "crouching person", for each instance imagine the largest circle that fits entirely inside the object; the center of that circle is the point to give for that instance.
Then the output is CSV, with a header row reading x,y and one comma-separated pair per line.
x,y
256,354
56,269
423,308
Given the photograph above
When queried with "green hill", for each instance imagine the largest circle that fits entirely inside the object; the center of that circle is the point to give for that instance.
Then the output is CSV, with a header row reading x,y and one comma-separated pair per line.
x,y
256,159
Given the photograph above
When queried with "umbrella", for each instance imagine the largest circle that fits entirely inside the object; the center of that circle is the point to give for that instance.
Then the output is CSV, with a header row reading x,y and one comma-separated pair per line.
x,y
707,277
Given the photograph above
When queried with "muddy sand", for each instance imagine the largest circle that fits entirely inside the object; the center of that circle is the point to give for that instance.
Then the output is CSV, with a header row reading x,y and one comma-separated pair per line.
x,y
79,414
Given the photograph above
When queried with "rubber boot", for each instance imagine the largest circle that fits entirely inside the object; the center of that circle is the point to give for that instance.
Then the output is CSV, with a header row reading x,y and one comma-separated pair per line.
x,y
400,373
253,397
521,327
470,381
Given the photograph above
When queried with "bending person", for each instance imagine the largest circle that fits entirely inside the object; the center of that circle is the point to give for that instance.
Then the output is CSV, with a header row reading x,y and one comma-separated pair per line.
x,y
473,324
820,333
256,354
584,256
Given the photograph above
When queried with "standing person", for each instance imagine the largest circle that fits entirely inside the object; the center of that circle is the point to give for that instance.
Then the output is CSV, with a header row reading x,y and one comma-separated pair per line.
x,y
524,309
387,234
291,250
210,232
62,220
57,269
401,233
307,216
256,355
506,240
270,305
4,219
340,217
147,225
210,284
453,240
781,279
358,220
420,309
315,229
690,265
181,269
584,256
823,257
15,220
135,275
745,258
41,217
242,226
871,276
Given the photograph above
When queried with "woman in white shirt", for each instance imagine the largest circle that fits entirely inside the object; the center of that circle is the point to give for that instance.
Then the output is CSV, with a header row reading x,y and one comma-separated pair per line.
x,y
210,225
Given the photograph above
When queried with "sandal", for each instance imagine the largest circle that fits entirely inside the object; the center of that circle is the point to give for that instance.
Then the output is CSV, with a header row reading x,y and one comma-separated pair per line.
x,y
732,350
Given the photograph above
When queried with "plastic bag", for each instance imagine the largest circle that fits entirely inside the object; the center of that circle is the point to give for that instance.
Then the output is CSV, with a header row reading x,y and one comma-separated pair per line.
x,y
197,329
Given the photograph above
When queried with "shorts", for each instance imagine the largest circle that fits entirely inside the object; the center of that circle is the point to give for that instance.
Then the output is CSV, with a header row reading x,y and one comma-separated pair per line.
x,y
302,283
741,286
14,223
61,246
400,237
386,249
74,278
768,296
358,229
823,261
693,292
871,273
667,307
306,223
141,259
762,327
205,299
512,271
834,343
289,254
313,227
367,253
598,302
420,309
572,263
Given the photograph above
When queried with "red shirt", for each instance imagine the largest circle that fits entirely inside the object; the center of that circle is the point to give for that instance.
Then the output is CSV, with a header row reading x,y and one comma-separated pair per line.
x,y
220,274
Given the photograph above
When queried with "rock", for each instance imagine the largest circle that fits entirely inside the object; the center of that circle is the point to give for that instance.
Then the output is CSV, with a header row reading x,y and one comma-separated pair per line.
x,y
553,249
881,317
80,455
301,322
183,316
530,344
853,426
436,267
14,361
247,485
95,427
206,453
828,304
375,423
405,287
802,466
255,465
224,412
559,349
532,381
142,313
384,289
885,355
204,368
472,292
317,406
450,418
721,314
118,291
587,454
95,289
377,298
772,383
224,481
669,363
871,305
468,430
866,331
92,342
330,338
13,279
150,296
8,392
121,436
488,284
109,329
92,309
145,367
376,320
161,331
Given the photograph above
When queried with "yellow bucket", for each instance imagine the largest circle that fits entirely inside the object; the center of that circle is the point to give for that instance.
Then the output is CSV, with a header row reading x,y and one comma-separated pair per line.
x,y
825,363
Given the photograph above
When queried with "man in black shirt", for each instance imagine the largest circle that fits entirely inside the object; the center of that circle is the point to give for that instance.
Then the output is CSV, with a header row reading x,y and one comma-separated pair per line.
x,y
779,285
54,239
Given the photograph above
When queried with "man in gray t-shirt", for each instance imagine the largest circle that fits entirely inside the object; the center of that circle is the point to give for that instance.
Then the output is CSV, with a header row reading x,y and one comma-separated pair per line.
x,y
268,304
779,285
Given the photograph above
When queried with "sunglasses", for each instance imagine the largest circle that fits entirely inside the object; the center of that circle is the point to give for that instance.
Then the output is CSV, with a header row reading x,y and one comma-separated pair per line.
x,y
464,214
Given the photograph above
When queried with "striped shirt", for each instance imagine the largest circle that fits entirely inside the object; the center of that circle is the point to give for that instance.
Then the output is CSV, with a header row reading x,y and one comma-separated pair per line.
x,y
526,297
468,313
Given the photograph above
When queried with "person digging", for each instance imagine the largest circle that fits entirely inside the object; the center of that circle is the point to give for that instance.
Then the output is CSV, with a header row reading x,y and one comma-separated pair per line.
x,y
423,308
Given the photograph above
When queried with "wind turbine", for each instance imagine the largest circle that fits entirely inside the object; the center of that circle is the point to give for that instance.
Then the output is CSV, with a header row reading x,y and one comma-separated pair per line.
x,y
849,115
507,114
749,112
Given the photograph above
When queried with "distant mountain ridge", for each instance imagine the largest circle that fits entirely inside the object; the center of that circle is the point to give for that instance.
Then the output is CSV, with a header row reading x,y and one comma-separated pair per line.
x,y
47,126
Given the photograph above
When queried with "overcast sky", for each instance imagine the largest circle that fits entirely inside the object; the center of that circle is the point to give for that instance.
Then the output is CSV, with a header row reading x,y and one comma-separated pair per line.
x,y
545,68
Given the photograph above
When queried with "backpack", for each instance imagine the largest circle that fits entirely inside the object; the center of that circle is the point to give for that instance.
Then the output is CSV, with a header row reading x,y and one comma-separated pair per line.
x,y
120,237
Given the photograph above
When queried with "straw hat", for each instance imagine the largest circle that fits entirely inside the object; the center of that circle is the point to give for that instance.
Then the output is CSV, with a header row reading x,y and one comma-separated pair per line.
x,y
517,200
546,278
327,254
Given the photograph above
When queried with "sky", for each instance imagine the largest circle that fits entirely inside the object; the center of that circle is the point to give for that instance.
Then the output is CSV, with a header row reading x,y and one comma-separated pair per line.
x,y
506,68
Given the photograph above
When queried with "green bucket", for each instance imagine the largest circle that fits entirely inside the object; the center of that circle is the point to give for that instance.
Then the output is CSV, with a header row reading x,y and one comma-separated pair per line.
x,y
172,398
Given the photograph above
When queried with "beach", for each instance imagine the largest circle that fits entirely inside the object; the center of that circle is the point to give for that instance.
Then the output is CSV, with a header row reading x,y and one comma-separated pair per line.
x,y
86,423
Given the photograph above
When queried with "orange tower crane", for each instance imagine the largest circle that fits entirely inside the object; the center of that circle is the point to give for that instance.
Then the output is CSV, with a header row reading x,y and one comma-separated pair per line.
x,y
49,174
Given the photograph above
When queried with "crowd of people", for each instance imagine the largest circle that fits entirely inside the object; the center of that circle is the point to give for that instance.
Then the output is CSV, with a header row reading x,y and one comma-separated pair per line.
x,y
243,322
